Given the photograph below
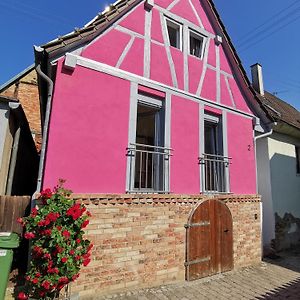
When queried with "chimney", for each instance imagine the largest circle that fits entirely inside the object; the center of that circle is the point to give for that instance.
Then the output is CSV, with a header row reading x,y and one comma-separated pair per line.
x,y
257,78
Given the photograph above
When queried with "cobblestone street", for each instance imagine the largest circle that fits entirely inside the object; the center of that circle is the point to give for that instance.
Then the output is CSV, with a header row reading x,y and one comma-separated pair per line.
x,y
273,279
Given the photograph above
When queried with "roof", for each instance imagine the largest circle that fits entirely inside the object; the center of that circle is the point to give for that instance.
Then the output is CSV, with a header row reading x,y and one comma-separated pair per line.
x,y
91,29
16,78
280,110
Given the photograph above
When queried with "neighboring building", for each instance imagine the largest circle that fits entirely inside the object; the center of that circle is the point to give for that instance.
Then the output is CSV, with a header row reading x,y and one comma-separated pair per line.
x,y
151,121
24,87
18,155
278,168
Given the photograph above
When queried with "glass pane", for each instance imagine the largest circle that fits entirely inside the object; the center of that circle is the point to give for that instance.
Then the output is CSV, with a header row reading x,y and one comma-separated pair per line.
x,y
173,36
196,46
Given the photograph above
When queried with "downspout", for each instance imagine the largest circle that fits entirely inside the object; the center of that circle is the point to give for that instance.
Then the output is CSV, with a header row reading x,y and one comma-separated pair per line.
x,y
46,121
15,149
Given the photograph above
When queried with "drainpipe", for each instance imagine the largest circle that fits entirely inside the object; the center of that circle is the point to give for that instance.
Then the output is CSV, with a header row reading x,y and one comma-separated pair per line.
x,y
46,121
15,148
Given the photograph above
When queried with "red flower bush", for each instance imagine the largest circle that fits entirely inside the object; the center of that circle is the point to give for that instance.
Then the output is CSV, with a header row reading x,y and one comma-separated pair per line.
x,y
58,248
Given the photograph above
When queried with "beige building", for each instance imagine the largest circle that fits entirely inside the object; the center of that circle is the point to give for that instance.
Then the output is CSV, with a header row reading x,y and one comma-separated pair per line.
x,y
278,169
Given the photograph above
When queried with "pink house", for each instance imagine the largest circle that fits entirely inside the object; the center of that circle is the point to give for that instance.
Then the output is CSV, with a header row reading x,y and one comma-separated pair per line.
x,y
149,97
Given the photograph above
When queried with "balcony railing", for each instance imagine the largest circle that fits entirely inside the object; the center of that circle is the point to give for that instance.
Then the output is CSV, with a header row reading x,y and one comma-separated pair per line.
x,y
215,173
148,168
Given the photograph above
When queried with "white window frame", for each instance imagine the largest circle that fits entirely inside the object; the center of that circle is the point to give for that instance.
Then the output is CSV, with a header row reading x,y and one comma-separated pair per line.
x,y
175,25
135,100
196,34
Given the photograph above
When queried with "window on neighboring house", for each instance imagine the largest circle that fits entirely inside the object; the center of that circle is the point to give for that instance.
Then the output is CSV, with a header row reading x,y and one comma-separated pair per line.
x,y
297,149
196,44
174,33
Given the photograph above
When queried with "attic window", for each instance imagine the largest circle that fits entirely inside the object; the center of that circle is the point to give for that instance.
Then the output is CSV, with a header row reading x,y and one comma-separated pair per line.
x,y
174,33
196,44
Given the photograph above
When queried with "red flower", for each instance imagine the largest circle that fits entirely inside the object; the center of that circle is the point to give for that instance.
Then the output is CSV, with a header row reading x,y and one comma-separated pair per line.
x,y
46,285
53,271
29,235
20,221
90,247
88,213
85,223
47,256
42,294
75,211
47,232
74,277
64,259
35,281
38,251
34,212
52,216
78,241
86,262
38,275
66,234
58,228
22,296
77,257
72,252
47,193
63,280
43,222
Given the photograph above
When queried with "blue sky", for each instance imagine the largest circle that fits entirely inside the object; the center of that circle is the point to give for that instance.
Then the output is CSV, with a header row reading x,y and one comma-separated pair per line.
x,y
262,31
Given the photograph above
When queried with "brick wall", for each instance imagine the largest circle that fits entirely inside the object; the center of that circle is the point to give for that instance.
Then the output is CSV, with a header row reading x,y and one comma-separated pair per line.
x,y
139,241
25,90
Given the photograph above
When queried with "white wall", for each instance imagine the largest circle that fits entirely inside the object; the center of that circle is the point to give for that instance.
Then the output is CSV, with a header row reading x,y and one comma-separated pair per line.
x,y
284,178
264,189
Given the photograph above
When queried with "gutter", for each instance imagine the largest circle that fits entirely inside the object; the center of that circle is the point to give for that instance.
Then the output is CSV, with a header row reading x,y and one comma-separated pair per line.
x,y
267,134
39,51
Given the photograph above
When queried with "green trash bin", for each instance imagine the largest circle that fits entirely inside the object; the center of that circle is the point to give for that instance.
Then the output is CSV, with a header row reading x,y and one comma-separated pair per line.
x,y
8,241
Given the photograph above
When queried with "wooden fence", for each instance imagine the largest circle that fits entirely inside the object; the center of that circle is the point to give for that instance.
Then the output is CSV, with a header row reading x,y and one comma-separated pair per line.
x,y
11,208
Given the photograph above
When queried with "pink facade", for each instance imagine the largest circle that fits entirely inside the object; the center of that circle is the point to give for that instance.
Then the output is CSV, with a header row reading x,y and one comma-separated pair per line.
x,y
94,110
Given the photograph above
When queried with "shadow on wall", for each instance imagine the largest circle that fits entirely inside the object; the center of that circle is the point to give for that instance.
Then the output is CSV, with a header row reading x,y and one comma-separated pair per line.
x,y
287,231
286,199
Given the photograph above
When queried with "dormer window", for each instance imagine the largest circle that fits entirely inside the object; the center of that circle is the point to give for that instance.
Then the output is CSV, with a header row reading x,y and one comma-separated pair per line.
x,y
174,32
196,44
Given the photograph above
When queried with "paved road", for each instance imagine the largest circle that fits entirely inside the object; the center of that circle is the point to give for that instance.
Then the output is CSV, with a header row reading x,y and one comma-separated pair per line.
x,y
273,279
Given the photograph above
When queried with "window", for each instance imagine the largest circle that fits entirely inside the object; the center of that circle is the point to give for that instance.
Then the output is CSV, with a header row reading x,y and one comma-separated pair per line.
x,y
196,44
148,156
213,163
297,149
174,33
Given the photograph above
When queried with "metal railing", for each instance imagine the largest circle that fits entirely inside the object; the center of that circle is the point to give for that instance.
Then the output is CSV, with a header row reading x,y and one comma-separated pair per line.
x,y
148,168
215,173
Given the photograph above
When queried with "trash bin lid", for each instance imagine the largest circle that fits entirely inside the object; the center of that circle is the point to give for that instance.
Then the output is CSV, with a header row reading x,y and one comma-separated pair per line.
x,y
9,240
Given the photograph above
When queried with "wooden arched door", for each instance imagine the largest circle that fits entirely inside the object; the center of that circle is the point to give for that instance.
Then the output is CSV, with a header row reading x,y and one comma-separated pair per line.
x,y
209,240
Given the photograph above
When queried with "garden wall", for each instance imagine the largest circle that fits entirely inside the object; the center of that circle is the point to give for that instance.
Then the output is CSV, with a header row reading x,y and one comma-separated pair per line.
x,y
140,240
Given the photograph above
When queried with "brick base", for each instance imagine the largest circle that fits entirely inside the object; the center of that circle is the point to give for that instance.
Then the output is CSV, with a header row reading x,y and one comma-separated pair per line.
x,y
139,240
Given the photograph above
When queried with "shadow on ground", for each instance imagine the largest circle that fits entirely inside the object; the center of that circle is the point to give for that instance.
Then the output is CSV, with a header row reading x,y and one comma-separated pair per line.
x,y
289,290
287,259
